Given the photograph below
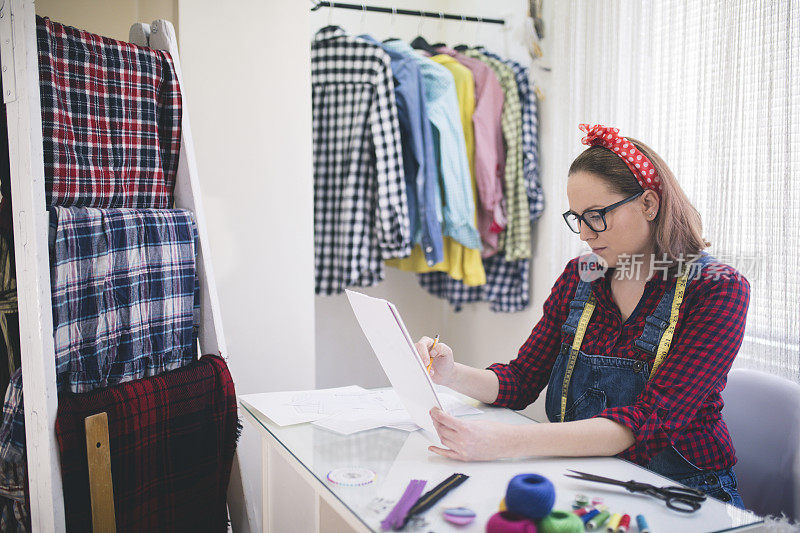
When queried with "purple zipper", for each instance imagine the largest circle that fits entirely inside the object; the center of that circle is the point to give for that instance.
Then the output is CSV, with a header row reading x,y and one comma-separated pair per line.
x,y
396,516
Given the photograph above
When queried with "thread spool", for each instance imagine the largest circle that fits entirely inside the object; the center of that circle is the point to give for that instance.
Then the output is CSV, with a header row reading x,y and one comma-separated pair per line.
x,y
642,523
588,516
581,500
502,506
561,522
583,510
624,523
530,495
613,522
598,521
507,522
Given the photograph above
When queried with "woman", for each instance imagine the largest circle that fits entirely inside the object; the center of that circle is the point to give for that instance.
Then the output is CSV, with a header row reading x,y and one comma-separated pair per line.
x,y
634,358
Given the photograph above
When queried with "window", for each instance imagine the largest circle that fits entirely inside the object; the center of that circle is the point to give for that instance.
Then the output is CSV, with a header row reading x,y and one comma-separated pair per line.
x,y
714,87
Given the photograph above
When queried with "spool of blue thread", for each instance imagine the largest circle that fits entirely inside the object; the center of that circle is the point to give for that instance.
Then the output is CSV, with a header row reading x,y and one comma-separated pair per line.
x,y
591,514
530,495
642,523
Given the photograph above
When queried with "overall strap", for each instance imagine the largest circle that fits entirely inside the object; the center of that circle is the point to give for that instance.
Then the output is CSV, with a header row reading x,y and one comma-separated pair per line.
x,y
659,328
586,309
582,293
666,338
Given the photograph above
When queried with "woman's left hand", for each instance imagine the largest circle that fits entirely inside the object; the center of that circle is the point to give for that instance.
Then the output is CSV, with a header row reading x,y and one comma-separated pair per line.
x,y
477,440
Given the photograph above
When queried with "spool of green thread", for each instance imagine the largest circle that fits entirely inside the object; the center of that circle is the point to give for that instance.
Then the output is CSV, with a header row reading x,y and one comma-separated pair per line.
x,y
598,521
581,500
561,522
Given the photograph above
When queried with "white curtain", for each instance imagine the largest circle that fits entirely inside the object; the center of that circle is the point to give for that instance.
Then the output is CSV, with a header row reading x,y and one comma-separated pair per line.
x,y
714,88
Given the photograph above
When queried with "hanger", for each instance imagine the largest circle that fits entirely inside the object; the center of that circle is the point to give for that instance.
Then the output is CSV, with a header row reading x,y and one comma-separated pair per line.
x,y
438,45
363,22
419,41
462,47
330,13
392,24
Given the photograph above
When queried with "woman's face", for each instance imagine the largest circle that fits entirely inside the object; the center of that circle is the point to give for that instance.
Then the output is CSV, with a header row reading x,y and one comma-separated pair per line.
x,y
628,228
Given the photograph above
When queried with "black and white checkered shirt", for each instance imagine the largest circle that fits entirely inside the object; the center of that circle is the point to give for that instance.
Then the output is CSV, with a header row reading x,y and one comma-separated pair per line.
x,y
360,206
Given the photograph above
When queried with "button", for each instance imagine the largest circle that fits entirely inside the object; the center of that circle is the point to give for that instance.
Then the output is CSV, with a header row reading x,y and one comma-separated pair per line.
x,y
429,249
711,479
725,497
430,263
637,366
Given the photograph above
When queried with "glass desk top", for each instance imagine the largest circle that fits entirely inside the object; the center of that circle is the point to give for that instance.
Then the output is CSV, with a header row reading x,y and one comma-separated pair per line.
x,y
396,457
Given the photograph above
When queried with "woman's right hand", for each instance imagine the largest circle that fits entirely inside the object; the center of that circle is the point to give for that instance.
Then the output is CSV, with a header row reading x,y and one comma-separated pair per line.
x,y
443,369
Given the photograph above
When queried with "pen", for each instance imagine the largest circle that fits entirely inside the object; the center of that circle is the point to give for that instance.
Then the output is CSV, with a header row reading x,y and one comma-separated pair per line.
x,y
430,359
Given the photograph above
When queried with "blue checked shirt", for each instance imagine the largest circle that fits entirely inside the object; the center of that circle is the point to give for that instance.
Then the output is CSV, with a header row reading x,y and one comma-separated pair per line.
x,y
442,104
125,302
419,163
507,288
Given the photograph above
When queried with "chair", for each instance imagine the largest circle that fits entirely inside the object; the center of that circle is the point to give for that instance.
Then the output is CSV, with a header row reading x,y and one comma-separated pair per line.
x,y
762,412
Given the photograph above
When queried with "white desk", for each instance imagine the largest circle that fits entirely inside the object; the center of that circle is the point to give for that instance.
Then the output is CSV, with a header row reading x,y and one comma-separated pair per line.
x,y
397,457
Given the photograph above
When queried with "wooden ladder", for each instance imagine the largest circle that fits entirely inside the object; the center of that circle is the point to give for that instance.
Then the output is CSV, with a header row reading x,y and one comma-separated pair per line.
x,y
20,74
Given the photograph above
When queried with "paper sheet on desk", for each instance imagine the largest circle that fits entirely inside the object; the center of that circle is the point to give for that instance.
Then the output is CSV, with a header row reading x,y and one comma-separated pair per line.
x,y
297,407
394,415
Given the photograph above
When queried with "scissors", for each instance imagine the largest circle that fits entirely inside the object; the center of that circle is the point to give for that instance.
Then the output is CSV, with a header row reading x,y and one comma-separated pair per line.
x,y
683,499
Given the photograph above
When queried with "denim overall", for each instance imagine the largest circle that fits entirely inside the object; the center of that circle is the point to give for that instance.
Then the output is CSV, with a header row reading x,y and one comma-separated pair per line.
x,y
599,382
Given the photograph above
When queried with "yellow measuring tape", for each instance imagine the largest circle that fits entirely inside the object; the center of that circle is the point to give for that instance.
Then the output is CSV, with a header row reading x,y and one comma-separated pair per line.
x,y
573,353
663,345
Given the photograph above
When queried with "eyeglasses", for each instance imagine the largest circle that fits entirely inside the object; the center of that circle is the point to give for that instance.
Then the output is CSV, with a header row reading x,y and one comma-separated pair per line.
x,y
594,218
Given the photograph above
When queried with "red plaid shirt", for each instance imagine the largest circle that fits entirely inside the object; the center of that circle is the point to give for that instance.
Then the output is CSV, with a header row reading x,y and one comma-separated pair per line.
x,y
681,405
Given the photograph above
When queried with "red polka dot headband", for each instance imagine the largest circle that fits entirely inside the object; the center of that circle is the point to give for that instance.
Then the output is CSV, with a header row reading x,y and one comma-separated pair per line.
x,y
639,164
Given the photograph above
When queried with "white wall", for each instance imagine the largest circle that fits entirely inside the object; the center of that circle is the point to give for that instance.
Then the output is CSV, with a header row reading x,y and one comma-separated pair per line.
x,y
246,72
112,18
478,336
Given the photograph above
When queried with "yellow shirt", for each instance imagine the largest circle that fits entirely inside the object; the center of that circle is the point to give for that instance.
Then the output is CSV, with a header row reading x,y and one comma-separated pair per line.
x,y
459,262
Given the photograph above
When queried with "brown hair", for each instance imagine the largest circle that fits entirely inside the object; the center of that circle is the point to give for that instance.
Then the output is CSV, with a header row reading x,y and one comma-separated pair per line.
x,y
678,228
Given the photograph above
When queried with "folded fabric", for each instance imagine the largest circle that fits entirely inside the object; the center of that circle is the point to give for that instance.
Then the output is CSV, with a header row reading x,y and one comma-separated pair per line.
x,y
125,302
14,500
14,516
9,319
172,438
111,120
12,430
125,294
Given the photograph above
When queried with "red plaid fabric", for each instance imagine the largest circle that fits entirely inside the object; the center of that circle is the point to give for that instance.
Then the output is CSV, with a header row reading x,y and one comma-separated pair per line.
x,y
172,439
681,405
111,120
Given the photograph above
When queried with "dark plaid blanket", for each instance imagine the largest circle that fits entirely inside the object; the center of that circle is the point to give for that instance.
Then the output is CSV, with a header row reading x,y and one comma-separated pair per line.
x,y
172,439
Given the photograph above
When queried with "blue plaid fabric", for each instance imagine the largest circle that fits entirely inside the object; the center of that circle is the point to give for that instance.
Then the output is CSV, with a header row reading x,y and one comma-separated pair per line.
x,y
125,302
13,511
530,135
12,432
506,289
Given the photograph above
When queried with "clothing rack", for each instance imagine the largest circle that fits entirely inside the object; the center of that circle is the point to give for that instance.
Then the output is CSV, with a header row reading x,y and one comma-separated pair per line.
x,y
412,12
18,44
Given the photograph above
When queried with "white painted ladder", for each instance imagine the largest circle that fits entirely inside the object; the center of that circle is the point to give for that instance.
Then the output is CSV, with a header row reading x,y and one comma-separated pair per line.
x,y
20,72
